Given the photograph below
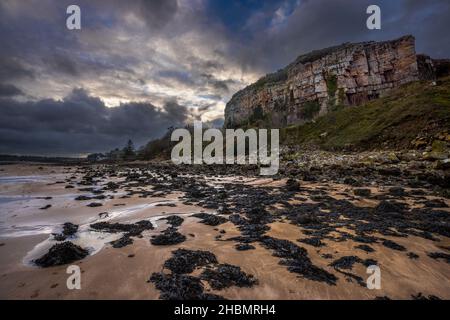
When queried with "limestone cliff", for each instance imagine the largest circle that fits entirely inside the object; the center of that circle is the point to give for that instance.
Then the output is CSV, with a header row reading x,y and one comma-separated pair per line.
x,y
349,74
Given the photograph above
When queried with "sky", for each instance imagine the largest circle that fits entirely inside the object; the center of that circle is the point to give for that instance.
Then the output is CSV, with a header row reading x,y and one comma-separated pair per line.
x,y
137,67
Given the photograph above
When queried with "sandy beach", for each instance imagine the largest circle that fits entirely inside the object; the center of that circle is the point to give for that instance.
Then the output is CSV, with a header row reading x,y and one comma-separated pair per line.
x,y
27,231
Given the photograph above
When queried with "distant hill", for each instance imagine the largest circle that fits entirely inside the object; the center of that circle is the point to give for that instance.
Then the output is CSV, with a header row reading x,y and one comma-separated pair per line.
x,y
4,158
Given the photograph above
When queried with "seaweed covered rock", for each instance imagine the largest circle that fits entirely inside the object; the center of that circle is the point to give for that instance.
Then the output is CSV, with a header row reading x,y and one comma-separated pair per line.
x,y
122,242
346,262
397,191
168,237
61,253
69,229
292,185
365,247
132,229
210,219
185,261
313,241
94,204
244,247
181,287
362,192
390,206
226,275
296,259
439,255
436,203
174,221
393,245
421,296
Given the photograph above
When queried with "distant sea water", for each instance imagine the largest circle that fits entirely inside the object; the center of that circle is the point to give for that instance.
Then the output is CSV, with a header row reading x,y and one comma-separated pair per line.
x,y
22,179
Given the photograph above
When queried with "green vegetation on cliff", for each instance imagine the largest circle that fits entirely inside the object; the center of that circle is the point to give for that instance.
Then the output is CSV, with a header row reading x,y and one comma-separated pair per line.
x,y
393,121
310,109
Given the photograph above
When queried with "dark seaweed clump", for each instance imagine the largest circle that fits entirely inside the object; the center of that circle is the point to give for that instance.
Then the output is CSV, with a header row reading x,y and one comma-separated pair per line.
x,y
440,255
292,185
169,236
210,219
297,260
313,241
60,254
347,262
176,286
226,275
365,247
69,229
185,261
393,245
421,296
244,247
131,230
174,221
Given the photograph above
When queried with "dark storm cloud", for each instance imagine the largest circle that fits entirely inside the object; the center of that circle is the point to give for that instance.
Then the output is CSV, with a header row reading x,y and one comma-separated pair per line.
x,y
221,86
12,68
272,39
260,36
180,76
187,57
175,112
81,123
157,13
9,90
62,64
429,22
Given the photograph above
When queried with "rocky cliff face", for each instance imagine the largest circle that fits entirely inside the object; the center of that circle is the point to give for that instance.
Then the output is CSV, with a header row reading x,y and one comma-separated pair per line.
x,y
349,74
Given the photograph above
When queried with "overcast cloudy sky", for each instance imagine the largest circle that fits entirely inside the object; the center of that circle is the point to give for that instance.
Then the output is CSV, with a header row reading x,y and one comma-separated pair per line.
x,y
139,66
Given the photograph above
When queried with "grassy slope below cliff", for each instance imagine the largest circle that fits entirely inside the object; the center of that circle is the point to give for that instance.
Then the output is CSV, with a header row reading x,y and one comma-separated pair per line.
x,y
392,122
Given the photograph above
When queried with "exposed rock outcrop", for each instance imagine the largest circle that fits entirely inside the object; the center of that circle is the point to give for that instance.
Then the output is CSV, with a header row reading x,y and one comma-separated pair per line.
x,y
349,74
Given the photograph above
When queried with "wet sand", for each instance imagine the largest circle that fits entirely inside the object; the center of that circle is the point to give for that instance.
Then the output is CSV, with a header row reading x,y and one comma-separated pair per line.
x,y
111,273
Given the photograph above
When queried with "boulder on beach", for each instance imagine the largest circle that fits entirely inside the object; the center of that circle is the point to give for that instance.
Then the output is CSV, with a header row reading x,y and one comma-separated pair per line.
x,y
60,254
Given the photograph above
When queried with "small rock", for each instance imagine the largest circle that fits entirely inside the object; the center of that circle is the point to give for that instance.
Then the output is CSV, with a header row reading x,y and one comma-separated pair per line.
x,y
412,255
292,185
362,192
393,245
244,247
94,204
